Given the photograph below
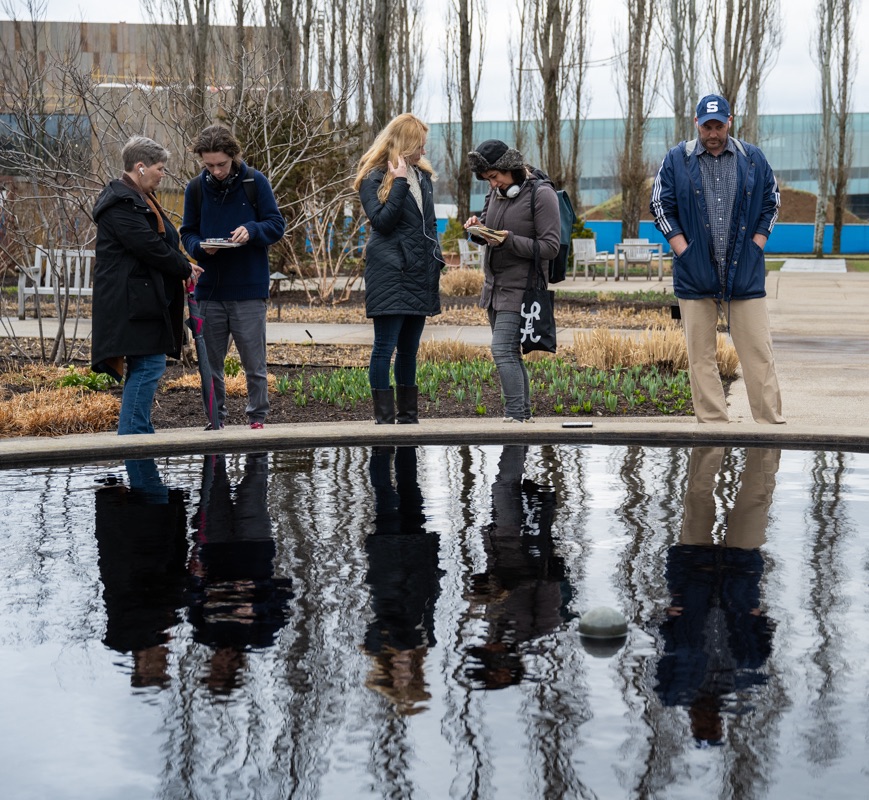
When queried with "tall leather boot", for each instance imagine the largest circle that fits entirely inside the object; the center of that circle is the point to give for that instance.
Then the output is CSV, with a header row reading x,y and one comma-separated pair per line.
x,y
384,406
406,399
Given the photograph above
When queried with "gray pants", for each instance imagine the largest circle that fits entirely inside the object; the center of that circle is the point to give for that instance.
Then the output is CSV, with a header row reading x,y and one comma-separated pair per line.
x,y
506,352
245,321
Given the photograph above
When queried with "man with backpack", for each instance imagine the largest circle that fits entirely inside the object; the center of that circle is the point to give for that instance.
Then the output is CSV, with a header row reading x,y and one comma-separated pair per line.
x,y
716,201
230,219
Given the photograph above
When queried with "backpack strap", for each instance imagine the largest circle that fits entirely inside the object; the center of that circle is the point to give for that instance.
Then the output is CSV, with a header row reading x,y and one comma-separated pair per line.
x,y
538,267
196,191
249,185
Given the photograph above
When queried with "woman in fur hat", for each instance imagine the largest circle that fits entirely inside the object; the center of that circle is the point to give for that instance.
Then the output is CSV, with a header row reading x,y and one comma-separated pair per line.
x,y
403,260
507,262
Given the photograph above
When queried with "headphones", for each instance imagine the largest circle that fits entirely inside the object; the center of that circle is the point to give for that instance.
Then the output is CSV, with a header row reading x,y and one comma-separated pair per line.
x,y
225,184
511,192
141,171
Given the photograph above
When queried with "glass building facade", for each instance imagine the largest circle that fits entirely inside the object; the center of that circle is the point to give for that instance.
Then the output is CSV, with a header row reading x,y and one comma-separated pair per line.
x,y
788,140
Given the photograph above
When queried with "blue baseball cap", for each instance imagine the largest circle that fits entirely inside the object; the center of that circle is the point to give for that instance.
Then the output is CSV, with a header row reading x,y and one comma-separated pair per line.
x,y
713,106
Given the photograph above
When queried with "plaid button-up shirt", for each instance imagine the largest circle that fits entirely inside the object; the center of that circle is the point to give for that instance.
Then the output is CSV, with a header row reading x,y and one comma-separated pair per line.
x,y
719,190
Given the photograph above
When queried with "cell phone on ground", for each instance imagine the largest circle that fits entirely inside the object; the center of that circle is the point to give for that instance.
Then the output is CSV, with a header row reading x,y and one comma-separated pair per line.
x,y
576,424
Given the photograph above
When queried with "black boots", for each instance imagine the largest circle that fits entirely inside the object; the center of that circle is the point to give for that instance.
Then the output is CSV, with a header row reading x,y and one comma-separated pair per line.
x,y
385,402
406,402
384,406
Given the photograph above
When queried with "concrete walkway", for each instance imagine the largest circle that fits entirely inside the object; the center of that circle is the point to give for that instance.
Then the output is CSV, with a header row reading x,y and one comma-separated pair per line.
x,y
820,328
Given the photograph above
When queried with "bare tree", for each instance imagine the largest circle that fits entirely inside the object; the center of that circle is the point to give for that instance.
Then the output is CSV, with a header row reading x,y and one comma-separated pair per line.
x,y
397,55
577,80
765,32
48,152
465,45
187,39
822,50
682,34
844,136
744,39
381,104
549,28
516,56
639,66
61,160
555,33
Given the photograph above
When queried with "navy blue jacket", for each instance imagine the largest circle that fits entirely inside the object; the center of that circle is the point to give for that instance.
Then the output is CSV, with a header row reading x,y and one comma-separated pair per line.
x,y
240,273
679,206
403,258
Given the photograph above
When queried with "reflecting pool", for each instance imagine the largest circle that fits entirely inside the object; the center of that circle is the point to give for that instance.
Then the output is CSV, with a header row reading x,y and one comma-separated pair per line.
x,y
404,622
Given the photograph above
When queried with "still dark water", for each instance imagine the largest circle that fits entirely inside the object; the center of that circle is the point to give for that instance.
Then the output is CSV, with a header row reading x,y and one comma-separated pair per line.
x,y
358,623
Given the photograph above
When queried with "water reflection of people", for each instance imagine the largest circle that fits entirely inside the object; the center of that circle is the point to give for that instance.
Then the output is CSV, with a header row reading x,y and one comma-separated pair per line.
x,y
236,602
716,637
524,593
142,544
404,581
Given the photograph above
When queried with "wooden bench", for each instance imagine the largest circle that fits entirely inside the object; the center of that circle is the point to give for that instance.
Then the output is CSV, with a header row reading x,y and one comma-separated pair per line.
x,y
53,271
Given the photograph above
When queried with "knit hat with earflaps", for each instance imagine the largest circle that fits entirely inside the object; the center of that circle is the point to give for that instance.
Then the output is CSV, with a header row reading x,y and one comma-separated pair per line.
x,y
494,154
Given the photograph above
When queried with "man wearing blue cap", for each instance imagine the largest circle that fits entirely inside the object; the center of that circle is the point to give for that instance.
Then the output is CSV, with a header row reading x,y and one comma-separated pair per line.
x,y
716,201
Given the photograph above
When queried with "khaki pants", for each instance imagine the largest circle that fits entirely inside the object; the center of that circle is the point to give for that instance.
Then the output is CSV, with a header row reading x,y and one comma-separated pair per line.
x,y
749,515
749,329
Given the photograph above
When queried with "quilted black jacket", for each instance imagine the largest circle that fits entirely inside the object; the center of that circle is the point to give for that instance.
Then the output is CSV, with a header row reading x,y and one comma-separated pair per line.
x,y
403,258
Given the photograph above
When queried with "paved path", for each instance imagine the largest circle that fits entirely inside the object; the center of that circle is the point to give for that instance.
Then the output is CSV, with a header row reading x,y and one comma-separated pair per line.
x,y
820,324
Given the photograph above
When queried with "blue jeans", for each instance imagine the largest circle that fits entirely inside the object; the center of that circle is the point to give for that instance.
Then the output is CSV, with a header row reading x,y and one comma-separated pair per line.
x,y
245,321
399,334
146,482
140,386
507,353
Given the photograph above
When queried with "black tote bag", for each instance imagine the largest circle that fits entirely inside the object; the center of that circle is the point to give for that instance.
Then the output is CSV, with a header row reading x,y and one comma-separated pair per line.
x,y
537,323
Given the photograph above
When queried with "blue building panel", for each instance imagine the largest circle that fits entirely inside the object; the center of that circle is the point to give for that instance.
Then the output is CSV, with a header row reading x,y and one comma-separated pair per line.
x,y
786,139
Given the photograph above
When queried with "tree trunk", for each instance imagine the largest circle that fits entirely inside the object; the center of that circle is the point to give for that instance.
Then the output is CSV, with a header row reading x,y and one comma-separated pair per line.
x,y
843,133
380,83
826,11
633,171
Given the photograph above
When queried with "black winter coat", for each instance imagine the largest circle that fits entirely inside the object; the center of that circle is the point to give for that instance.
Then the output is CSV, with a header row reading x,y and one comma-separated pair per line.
x,y
403,258
138,301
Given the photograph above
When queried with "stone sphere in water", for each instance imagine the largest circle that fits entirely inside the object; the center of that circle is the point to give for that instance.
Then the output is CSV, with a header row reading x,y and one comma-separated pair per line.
x,y
603,623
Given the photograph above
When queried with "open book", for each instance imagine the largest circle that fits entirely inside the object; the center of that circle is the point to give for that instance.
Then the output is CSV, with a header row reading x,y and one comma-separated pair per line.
x,y
487,233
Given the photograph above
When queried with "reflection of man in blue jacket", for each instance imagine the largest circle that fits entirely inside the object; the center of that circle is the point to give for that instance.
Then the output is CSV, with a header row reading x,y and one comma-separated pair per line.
x,y
716,200
716,637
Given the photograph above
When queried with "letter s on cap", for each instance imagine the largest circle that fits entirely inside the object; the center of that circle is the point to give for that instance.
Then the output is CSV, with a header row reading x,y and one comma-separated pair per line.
x,y
712,107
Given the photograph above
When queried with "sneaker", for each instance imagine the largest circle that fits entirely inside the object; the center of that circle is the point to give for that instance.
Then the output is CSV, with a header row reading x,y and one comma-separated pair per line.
x,y
256,426
530,419
512,419
209,427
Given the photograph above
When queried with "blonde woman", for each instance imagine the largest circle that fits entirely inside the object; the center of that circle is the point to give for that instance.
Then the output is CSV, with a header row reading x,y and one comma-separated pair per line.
x,y
403,261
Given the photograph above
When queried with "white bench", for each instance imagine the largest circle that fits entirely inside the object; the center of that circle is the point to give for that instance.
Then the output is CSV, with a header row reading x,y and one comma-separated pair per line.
x,y
53,271
469,254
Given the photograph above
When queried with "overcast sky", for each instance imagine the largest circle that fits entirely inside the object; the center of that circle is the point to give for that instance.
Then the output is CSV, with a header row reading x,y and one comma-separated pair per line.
x,y
790,88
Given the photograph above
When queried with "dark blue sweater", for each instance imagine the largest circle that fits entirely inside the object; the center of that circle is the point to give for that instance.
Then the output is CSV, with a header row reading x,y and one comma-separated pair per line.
x,y
240,273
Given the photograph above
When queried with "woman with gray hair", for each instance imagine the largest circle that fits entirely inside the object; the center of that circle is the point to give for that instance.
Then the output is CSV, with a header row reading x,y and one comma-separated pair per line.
x,y
138,301
522,225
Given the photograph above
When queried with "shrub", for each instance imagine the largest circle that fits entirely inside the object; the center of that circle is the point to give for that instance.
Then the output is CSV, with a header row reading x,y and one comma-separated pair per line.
x,y
450,350
450,237
462,282
580,231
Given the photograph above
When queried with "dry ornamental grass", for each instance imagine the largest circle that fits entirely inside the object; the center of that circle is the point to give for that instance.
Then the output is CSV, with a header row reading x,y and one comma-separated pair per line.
x,y
57,412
